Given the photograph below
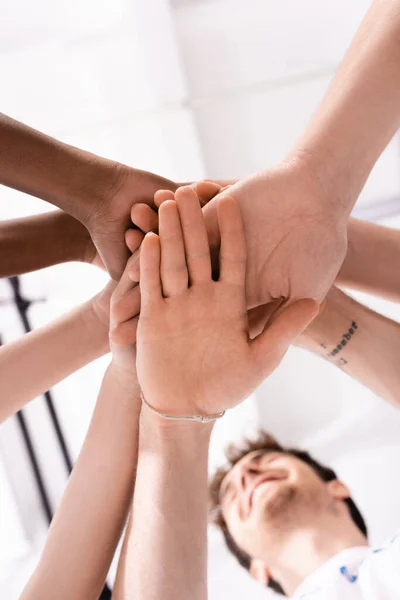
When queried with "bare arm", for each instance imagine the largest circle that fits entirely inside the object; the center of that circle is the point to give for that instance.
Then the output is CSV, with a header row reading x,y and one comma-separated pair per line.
x,y
32,243
372,260
361,110
361,342
42,166
90,518
165,548
89,521
96,191
51,353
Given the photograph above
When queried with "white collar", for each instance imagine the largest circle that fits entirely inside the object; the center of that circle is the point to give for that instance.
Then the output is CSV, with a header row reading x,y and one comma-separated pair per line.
x,y
350,556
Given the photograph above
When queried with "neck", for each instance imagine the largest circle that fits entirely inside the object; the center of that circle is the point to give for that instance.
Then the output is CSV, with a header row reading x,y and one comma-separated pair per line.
x,y
303,551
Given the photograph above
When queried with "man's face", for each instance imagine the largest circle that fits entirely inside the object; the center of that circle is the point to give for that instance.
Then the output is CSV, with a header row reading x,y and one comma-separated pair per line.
x,y
267,494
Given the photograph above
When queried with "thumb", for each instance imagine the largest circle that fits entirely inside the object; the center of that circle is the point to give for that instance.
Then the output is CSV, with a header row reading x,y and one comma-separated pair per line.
x,y
114,254
272,344
206,190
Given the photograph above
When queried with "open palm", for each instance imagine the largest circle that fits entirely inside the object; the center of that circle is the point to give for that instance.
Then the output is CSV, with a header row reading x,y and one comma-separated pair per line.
x,y
194,354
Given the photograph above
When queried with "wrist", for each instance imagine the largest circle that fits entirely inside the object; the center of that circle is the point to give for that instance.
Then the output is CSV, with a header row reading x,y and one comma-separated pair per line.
x,y
124,393
333,315
125,381
315,328
92,181
170,429
95,327
329,187
74,237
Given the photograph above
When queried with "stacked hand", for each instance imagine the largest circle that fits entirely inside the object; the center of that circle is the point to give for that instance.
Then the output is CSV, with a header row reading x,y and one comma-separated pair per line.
x,y
108,219
124,317
296,234
194,353
130,197
296,231
296,241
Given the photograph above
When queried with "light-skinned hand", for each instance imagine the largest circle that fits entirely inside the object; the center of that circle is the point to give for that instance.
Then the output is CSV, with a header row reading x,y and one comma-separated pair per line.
x,y
124,316
194,353
296,234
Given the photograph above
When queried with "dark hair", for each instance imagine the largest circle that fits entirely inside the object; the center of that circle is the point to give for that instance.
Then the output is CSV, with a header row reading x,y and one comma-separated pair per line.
x,y
266,442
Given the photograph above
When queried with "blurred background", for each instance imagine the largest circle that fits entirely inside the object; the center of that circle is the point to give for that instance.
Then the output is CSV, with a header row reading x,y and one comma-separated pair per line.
x,y
189,89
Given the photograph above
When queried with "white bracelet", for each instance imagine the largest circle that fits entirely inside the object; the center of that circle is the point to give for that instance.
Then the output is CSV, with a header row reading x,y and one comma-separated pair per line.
x,y
198,418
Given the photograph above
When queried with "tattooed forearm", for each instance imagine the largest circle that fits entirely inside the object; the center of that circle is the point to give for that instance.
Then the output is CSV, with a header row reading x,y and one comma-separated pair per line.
x,y
343,342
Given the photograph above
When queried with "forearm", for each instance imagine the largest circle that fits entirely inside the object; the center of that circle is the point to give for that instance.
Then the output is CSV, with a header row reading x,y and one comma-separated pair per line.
x,y
371,263
165,551
34,363
361,110
359,341
41,166
33,243
89,520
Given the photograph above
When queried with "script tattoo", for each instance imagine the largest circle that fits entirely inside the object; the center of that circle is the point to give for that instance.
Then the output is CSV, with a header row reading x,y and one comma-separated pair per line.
x,y
346,338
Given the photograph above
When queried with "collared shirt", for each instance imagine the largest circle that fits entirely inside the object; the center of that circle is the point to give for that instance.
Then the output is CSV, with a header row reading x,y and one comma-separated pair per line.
x,y
361,573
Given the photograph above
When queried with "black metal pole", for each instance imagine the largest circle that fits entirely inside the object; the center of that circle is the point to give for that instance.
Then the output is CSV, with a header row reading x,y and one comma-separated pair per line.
x,y
22,306
44,498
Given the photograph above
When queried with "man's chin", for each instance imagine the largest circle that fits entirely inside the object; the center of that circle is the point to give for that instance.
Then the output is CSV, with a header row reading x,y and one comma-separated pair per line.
x,y
275,504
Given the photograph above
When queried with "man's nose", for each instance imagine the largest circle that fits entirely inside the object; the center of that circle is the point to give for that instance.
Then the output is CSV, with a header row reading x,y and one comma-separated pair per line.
x,y
247,474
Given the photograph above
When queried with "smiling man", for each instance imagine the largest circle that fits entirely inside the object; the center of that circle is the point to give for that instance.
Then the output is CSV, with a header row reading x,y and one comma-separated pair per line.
x,y
288,519
283,515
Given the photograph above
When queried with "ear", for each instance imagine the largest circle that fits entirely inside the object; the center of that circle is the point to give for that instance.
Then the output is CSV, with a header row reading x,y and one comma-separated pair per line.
x,y
259,571
338,490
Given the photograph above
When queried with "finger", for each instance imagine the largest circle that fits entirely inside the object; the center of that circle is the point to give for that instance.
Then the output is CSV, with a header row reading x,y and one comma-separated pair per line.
x,y
124,286
123,333
225,183
194,234
109,289
113,252
144,217
163,195
127,306
134,267
174,273
125,283
232,256
270,346
206,190
150,263
133,239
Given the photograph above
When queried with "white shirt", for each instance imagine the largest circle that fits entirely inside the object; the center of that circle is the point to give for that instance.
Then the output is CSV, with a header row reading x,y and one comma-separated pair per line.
x,y
361,573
